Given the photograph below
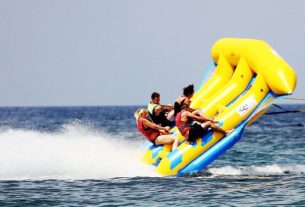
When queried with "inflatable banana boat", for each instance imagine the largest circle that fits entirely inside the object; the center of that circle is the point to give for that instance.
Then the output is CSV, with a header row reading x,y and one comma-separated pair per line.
x,y
248,77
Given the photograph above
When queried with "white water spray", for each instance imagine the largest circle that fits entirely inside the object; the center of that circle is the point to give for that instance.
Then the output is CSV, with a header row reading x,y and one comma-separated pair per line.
x,y
75,153
265,170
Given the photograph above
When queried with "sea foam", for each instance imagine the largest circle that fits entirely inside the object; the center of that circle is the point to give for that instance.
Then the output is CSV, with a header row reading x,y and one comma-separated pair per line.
x,y
263,170
76,152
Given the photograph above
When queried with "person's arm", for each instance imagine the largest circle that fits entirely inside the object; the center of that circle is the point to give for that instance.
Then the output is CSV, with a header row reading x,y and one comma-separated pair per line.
x,y
167,107
149,124
160,108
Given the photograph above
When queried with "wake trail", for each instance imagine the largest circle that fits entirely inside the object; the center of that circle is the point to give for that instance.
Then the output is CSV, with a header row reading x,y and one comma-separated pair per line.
x,y
76,152
264,170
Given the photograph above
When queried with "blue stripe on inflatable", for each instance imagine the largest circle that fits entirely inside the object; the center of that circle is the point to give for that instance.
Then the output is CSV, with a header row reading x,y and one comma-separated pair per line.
x,y
155,150
157,162
176,159
207,71
206,138
146,146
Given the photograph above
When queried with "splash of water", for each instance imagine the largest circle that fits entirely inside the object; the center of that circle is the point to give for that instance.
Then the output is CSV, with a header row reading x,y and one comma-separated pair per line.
x,y
265,170
77,152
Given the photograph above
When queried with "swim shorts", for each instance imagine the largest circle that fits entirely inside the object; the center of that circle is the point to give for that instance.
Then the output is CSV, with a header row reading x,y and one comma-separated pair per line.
x,y
195,132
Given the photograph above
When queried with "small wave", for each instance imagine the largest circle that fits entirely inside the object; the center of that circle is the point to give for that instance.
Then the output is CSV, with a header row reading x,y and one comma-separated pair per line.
x,y
266,170
76,152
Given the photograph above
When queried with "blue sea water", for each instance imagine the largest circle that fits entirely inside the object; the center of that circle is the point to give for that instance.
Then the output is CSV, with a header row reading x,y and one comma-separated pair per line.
x,y
89,156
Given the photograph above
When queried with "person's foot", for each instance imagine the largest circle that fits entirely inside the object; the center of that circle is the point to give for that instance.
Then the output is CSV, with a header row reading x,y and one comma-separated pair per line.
x,y
229,131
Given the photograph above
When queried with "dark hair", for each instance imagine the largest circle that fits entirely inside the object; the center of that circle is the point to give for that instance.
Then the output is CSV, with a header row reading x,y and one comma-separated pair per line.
x,y
188,90
155,95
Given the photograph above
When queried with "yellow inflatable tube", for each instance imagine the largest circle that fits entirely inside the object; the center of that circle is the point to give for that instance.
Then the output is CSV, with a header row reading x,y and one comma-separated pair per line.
x,y
238,83
223,73
258,71
262,59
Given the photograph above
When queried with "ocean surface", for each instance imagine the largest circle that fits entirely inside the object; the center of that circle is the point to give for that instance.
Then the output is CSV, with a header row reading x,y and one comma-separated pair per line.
x,y
90,156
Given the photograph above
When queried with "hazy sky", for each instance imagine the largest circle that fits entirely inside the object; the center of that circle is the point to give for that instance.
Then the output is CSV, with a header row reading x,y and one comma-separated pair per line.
x,y
78,52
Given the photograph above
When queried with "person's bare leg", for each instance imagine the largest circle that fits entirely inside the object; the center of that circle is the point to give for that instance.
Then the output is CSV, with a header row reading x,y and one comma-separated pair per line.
x,y
176,143
217,128
199,113
167,139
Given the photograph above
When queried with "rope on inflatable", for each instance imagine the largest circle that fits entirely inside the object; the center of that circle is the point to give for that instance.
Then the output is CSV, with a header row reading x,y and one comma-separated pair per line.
x,y
284,110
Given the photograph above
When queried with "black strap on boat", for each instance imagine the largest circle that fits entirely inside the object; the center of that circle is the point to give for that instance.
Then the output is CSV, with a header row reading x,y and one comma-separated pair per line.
x,y
285,111
296,99
279,107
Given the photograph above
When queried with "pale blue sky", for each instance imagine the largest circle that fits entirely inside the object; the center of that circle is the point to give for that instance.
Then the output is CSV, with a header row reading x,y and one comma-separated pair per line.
x,y
77,52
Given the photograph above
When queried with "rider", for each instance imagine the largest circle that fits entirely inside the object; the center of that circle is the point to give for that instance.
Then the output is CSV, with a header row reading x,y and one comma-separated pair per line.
x,y
158,112
184,121
154,133
188,93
